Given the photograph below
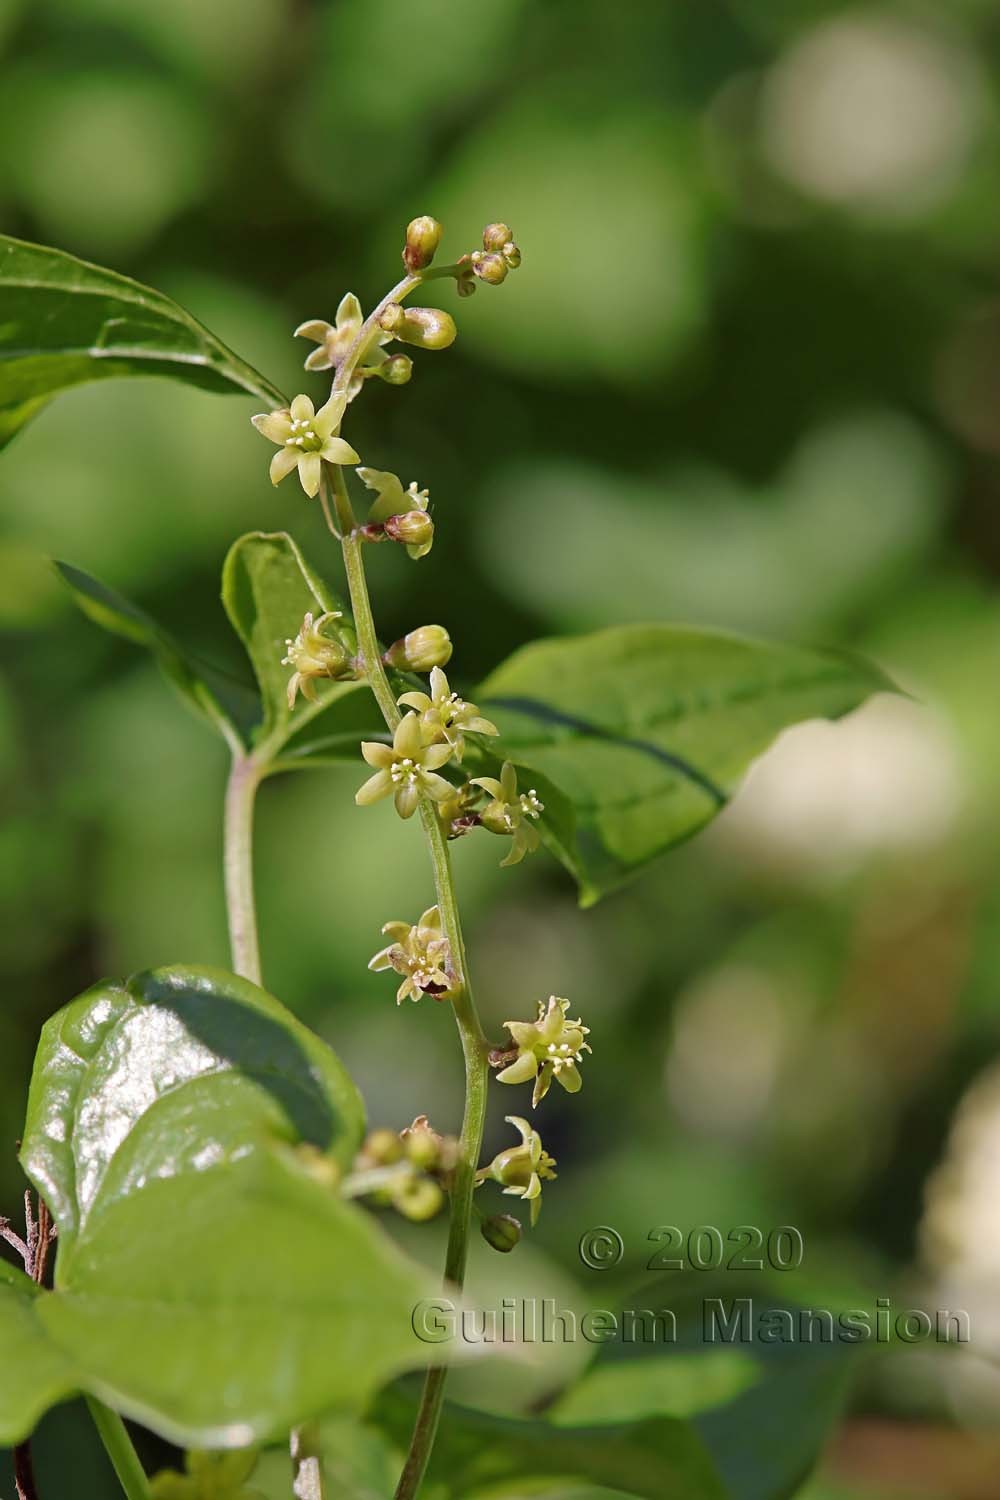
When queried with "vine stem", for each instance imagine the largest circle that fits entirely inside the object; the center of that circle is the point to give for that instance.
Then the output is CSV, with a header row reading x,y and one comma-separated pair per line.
x,y
241,910
475,1048
118,1445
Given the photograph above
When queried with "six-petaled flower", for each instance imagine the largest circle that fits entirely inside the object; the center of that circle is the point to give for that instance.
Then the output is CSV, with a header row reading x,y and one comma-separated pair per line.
x,y
549,1047
404,769
306,439
335,339
446,716
420,952
521,1170
511,812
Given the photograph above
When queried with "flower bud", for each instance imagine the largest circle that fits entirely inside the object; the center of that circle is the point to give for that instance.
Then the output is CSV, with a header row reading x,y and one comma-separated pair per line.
x,y
465,284
502,1231
415,528
424,648
424,327
423,236
383,1148
423,1146
396,370
417,1198
490,268
495,236
511,255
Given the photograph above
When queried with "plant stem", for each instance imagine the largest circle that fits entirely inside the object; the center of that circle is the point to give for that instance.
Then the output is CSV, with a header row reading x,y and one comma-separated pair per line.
x,y
241,793
475,1048
125,1460
241,909
24,1472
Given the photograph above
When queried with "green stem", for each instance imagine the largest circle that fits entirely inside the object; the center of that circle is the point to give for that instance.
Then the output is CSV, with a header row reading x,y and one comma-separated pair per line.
x,y
241,794
241,909
475,1047
118,1444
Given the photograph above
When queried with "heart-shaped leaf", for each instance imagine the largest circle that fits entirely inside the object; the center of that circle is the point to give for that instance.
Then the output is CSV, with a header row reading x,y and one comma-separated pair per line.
x,y
232,707
188,1133
645,731
64,321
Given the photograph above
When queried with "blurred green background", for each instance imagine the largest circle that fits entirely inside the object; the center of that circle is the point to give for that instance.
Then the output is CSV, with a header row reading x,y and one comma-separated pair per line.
x,y
748,375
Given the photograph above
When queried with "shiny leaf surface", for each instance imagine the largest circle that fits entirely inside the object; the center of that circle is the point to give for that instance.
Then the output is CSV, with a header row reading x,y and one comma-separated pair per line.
x,y
187,1132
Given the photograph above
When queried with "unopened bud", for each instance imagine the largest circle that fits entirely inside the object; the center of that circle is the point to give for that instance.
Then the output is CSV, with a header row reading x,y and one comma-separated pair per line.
x,y
383,1148
495,236
465,284
490,268
417,1198
424,327
423,1146
511,255
502,1231
396,370
415,528
423,236
426,647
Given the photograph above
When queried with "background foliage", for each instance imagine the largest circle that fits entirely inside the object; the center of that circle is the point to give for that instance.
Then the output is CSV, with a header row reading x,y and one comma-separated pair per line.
x,y
747,376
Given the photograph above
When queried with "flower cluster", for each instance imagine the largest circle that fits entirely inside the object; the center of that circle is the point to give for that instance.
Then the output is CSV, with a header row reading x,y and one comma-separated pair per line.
x,y
412,1170
409,1172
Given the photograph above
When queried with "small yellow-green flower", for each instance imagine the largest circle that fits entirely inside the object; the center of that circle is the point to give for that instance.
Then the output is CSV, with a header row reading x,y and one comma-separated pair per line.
x,y
511,812
306,438
335,339
549,1047
405,769
209,1476
314,655
392,500
420,953
446,716
521,1170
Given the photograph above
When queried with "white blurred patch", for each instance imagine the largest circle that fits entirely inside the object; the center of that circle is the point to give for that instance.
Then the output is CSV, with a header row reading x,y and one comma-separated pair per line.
x,y
959,1235
873,112
730,1035
827,796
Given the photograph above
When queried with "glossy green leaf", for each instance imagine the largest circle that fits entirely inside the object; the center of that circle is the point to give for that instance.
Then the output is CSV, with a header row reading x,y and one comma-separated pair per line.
x,y
645,731
657,1459
210,1281
230,705
64,321
34,1374
267,589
